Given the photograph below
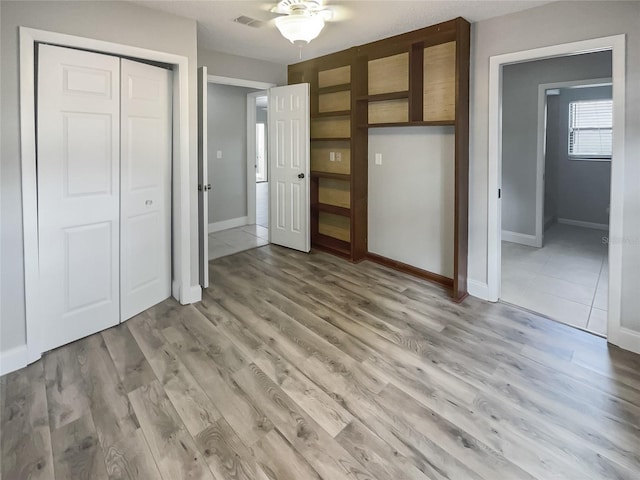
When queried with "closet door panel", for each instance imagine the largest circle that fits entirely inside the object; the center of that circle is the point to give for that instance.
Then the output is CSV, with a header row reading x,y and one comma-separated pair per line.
x,y
145,267
78,193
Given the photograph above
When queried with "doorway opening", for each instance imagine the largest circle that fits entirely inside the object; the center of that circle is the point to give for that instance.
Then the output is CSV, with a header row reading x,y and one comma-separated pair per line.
x,y
237,160
556,175
262,162
519,225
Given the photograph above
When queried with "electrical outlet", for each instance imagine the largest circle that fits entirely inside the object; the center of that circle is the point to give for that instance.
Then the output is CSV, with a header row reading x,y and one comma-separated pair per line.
x,y
378,159
332,156
338,156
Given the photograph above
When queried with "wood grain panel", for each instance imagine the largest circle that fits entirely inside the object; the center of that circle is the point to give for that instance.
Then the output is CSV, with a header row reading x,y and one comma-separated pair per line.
x,y
426,388
389,74
390,111
334,102
131,364
26,435
76,451
335,76
334,192
440,82
334,226
171,445
331,127
320,157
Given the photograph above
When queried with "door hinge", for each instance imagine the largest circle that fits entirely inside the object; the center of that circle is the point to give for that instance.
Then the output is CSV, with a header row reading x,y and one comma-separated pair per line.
x,y
206,187
499,193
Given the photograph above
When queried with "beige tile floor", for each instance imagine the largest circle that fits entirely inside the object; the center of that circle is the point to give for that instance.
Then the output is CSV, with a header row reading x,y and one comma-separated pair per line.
x,y
234,240
566,280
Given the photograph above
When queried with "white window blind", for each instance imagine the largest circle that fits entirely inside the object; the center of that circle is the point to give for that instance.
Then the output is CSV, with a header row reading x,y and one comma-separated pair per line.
x,y
590,128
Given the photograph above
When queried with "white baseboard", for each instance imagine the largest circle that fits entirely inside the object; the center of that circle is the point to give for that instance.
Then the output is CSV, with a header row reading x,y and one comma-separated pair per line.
x,y
626,339
478,289
226,224
191,294
13,359
580,223
521,238
549,221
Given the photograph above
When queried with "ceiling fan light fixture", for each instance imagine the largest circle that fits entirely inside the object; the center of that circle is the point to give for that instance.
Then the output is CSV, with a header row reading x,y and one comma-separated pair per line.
x,y
300,28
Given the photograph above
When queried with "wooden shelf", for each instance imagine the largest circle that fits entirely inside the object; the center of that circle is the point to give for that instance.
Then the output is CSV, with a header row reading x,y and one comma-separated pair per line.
x,y
384,96
334,88
335,176
331,139
341,113
437,123
326,242
325,207
416,79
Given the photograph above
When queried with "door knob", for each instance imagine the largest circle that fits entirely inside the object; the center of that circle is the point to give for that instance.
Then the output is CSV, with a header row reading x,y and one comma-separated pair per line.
x,y
301,175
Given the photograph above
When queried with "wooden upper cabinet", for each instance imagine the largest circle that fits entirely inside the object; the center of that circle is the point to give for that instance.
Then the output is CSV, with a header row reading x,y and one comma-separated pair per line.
x,y
439,82
389,74
334,77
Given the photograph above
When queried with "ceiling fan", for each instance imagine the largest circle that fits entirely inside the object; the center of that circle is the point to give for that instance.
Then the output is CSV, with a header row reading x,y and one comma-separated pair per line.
x,y
300,21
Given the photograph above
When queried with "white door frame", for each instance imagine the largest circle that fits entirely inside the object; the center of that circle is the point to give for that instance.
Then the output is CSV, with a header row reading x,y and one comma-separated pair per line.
x,y
616,43
182,289
540,152
251,153
251,134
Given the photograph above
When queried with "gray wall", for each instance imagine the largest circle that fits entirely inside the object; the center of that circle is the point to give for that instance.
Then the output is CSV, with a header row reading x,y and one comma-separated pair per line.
x,y
410,205
119,22
227,126
553,24
584,186
520,128
226,65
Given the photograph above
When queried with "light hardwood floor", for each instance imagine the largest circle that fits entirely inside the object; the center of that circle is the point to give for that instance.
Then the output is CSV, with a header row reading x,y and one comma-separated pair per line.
x,y
300,367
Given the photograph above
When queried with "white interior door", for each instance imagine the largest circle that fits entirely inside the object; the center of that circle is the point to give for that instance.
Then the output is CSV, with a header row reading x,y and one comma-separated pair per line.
x,y
289,166
78,125
203,179
145,257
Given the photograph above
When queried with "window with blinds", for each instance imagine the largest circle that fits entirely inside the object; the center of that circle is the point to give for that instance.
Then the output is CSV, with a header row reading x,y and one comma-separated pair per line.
x,y
590,129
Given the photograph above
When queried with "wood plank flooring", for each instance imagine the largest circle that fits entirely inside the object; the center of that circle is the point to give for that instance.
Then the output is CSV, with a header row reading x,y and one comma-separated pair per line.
x,y
297,367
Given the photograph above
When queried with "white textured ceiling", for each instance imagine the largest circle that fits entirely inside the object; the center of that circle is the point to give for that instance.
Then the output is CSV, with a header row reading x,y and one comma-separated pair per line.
x,y
356,22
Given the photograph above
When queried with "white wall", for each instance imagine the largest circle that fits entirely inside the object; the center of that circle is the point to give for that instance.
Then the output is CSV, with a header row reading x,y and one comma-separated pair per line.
x,y
411,196
553,24
234,66
584,187
520,128
119,22
227,125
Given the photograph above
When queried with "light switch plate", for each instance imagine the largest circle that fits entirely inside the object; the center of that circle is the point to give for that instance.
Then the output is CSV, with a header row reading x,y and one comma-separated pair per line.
x,y
332,156
219,154
378,159
338,156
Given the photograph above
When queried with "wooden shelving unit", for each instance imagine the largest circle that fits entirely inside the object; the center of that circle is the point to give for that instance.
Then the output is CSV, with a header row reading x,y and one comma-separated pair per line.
x,y
420,78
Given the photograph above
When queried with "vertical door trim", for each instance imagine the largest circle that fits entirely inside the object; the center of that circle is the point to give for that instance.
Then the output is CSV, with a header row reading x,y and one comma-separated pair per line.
x,y
182,288
203,178
251,154
541,147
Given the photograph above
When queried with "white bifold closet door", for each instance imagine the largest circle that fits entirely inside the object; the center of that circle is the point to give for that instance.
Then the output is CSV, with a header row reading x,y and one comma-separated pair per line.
x,y
145,187
103,191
